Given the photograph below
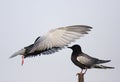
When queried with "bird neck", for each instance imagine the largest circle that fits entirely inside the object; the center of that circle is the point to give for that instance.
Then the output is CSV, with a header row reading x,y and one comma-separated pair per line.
x,y
76,52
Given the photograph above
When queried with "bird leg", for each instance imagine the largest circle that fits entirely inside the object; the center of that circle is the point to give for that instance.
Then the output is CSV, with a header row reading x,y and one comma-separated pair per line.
x,y
85,71
81,71
22,60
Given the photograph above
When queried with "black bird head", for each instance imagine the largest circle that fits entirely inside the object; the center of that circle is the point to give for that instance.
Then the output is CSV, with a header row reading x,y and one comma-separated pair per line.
x,y
76,48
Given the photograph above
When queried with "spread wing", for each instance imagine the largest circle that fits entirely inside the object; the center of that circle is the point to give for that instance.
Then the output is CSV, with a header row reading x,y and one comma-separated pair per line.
x,y
60,37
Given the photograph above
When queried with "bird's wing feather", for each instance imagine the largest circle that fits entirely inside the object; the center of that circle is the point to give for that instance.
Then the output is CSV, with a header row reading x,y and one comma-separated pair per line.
x,y
87,60
60,37
84,60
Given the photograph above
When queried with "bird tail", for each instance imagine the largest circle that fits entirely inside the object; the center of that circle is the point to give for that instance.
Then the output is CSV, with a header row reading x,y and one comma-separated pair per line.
x,y
20,52
102,67
103,61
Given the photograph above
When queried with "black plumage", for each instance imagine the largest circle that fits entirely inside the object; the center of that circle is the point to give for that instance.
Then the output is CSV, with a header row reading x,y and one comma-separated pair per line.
x,y
44,52
85,61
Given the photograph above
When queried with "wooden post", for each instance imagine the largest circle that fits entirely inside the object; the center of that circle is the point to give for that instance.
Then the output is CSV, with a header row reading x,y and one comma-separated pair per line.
x,y
80,77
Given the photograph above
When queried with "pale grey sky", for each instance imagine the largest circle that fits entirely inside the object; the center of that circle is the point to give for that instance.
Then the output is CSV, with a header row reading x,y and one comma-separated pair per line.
x,y
22,21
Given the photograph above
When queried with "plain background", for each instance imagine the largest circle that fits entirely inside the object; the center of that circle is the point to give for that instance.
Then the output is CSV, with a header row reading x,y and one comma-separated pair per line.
x,y
22,21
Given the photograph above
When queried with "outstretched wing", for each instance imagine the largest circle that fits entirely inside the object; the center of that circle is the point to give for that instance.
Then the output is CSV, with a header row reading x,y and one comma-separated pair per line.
x,y
60,37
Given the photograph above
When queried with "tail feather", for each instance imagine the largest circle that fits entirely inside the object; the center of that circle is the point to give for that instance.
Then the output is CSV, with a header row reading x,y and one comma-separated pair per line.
x,y
14,55
103,67
20,52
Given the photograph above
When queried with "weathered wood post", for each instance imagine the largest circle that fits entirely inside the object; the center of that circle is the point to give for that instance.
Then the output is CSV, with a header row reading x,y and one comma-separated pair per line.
x,y
80,77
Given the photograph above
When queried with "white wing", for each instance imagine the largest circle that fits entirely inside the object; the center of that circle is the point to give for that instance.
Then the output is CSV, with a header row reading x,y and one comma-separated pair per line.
x,y
60,37
83,60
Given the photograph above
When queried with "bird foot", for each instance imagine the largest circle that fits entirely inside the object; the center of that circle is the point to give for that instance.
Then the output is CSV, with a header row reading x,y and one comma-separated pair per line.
x,y
77,74
80,74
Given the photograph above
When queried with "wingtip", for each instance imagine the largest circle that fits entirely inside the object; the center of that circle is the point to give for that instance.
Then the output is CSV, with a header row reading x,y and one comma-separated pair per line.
x,y
112,67
108,60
